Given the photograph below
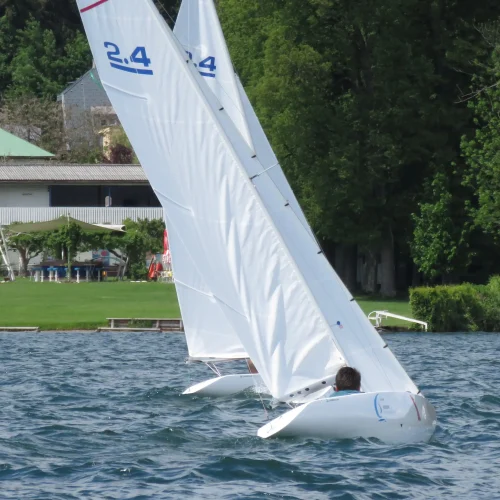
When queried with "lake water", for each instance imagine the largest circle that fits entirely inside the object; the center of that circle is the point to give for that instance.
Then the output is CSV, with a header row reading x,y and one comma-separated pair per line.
x,y
100,416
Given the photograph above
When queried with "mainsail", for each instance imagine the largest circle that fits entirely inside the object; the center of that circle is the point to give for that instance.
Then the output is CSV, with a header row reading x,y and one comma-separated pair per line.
x,y
198,28
294,316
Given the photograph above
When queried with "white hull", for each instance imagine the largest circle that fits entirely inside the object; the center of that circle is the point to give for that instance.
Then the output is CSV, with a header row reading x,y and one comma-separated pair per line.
x,y
225,385
392,417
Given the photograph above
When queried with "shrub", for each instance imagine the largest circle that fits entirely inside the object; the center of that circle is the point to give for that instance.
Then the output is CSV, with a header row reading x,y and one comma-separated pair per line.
x,y
491,305
138,271
460,308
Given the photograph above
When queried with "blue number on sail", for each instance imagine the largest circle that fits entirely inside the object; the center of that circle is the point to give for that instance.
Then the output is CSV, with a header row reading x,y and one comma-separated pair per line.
x,y
138,57
114,52
208,63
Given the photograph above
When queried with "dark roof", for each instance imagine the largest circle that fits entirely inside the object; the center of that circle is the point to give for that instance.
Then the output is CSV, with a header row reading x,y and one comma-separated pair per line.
x,y
72,173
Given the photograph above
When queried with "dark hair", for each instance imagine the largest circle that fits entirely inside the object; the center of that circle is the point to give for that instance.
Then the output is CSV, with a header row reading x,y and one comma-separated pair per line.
x,y
348,379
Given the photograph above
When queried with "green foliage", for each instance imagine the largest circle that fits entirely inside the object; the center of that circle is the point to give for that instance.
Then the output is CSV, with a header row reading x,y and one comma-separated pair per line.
x,y
138,271
131,246
459,308
140,237
361,103
440,238
42,67
120,143
29,246
482,151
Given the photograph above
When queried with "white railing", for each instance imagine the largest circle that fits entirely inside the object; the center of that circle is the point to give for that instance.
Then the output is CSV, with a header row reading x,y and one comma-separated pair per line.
x,y
92,215
378,316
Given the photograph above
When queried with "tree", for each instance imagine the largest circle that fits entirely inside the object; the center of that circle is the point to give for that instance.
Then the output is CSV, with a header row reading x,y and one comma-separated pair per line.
x,y
35,63
119,150
37,120
41,122
441,239
360,103
482,150
29,246
70,239
131,247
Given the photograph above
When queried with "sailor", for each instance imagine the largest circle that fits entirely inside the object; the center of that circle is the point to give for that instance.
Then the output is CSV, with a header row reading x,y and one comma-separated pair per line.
x,y
347,381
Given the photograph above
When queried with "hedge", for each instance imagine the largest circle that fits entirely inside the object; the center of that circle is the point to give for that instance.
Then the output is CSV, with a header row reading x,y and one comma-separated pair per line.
x,y
458,308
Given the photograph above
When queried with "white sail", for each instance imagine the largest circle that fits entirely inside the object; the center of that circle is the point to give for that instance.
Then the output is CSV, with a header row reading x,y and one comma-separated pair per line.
x,y
198,28
355,336
198,162
208,333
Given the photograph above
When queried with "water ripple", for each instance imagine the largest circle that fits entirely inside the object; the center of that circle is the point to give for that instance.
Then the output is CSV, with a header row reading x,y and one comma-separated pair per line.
x,y
102,417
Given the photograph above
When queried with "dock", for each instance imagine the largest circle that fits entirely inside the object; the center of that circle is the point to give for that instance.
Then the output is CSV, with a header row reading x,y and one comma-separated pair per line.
x,y
144,325
35,329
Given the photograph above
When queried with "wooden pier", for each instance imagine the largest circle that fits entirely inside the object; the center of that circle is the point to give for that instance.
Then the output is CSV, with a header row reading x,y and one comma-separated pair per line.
x,y
35,329
144,325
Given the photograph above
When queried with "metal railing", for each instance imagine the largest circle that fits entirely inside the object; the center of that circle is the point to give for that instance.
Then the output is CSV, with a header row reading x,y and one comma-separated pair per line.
x,y
378,316
92,215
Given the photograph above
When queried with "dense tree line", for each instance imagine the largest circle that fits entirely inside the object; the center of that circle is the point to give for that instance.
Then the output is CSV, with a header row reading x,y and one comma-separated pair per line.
x,y
384,115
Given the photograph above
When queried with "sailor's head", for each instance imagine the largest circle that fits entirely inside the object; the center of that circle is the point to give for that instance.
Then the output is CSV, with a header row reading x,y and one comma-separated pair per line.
x,y
348,379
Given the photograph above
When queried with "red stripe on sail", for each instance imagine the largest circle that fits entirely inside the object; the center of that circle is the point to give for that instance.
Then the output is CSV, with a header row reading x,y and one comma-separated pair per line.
x,y
92,6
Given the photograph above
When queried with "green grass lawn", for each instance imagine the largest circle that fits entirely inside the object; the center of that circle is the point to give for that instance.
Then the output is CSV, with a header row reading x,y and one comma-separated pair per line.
x,y
72,306
54,306
395,306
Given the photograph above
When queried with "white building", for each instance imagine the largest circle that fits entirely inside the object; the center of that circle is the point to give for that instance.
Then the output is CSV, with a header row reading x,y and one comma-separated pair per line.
x,y
33,189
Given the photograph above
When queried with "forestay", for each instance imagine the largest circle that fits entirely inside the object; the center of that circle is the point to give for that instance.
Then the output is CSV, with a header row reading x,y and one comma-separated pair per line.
x,y
358,340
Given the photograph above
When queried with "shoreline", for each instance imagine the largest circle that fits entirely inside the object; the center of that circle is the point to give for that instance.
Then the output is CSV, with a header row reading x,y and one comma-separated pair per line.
x,y
20,329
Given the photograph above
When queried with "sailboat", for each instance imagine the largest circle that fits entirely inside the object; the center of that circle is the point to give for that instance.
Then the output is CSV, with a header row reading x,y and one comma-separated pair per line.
x,y
199,31
266,272
210,338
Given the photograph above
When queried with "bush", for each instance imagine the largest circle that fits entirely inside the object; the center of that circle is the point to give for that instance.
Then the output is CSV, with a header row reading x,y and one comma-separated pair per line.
x,y
138,271
460,308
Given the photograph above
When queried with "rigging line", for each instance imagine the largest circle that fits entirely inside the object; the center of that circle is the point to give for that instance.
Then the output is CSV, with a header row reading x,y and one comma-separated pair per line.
x,y
214,368
162,7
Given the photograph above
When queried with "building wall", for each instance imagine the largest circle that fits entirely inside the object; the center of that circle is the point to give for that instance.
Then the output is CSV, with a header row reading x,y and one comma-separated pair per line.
x,y
24,195
86,94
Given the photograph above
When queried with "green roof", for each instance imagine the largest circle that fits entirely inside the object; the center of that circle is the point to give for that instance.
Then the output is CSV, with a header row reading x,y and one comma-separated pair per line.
x,y
12,146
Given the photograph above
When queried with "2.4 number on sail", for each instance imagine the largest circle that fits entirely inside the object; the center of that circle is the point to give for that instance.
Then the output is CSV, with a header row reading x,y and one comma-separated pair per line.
x,y
138,62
